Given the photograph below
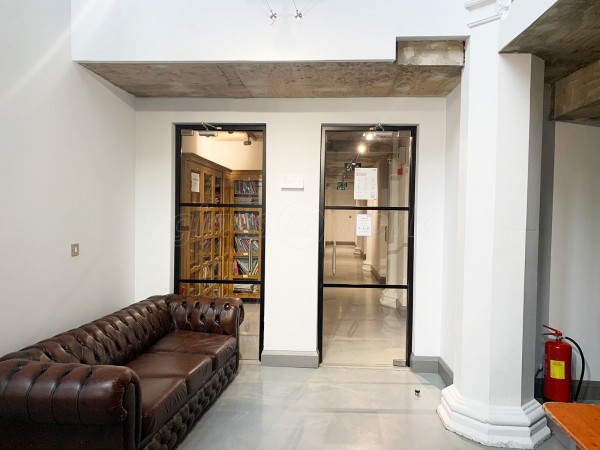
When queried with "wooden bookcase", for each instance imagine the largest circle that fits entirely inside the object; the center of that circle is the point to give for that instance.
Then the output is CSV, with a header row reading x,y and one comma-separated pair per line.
x,y
219,242
203,228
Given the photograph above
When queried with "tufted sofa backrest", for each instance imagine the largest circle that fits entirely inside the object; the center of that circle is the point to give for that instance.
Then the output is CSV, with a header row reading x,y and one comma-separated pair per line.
x,y
217,315
114,339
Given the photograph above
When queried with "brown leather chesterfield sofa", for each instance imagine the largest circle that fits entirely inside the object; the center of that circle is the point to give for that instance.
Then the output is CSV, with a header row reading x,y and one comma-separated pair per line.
x,y
137,378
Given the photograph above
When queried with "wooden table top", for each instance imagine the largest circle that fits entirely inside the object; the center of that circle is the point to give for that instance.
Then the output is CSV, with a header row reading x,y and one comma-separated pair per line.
x,y
581,422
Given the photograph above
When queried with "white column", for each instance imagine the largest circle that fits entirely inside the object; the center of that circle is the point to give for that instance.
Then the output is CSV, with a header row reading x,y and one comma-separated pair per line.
x,y
389,297
367,264
359,246
369,245
491,400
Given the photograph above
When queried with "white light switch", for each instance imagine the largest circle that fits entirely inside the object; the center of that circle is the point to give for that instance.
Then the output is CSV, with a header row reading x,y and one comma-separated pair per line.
x,y
74,249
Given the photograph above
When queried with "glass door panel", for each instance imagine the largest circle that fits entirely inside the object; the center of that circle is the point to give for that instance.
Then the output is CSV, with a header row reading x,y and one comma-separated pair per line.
x,y
219,221
368,192
359,330
380,258
208,188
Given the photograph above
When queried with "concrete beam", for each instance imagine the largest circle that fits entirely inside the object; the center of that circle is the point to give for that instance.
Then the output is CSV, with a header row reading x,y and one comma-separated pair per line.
x,y
430,53
566,36
577,96
422,69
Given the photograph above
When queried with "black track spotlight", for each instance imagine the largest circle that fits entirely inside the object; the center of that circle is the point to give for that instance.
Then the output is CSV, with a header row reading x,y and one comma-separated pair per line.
x,y
298,14
273,14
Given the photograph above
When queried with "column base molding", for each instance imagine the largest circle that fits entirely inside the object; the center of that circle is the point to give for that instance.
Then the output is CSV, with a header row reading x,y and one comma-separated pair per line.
x,y
388,298
497,426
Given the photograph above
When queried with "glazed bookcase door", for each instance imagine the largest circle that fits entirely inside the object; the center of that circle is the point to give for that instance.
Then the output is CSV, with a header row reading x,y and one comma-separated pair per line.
x,y
246,233
220,230
202,227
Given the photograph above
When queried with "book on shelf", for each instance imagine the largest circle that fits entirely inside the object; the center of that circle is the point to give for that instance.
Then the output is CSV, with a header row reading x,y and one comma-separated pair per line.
x,y
241,266
245,288
241,244
245,187
245,221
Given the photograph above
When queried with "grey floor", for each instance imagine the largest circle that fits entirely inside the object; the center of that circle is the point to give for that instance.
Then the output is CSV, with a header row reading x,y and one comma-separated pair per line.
x,y
249,332
328,408
357,329
355,400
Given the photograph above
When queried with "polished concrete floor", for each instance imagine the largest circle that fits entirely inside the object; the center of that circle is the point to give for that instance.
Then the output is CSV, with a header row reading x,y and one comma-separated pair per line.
x,y
250,331
355,400
328,408
357,329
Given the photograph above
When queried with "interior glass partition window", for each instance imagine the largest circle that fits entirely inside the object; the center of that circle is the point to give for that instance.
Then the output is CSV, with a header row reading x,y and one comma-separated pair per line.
x,y
219,220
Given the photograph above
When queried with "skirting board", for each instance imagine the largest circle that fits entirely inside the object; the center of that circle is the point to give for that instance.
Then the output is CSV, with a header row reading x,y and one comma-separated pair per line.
x,y
281,358
432,364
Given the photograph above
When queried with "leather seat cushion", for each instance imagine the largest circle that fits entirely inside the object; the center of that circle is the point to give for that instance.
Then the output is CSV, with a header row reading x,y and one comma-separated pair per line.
x,y
194,368
161,399
219,347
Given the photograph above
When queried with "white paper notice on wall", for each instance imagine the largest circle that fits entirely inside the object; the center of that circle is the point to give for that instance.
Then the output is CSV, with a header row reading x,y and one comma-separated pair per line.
x,y
195,182
292,181
364,224
365,183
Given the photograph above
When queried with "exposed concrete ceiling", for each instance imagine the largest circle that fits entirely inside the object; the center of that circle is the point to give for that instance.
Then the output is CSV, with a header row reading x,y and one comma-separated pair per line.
x,y
567,38
342,147
422,69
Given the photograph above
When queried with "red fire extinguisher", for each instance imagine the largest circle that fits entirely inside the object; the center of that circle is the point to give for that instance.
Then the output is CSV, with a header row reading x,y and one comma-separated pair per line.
x,y
557,367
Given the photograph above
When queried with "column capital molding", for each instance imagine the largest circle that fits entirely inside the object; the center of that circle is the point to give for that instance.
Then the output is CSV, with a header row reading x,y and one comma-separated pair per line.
x,y
501,8
474,4
501,5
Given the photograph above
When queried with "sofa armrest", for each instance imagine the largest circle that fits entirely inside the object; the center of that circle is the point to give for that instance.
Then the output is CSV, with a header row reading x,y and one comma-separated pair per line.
x,y
218,315
68,394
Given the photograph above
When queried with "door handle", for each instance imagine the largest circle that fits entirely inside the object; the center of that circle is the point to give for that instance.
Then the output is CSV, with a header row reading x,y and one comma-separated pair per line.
x,y
333,258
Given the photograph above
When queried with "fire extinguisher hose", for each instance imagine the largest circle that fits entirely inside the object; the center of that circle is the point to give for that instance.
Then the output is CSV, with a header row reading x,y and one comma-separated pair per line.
x,y
582,367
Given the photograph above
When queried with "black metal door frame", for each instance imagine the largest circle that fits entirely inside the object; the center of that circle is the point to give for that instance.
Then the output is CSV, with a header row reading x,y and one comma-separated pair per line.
x,y
262,128
411,232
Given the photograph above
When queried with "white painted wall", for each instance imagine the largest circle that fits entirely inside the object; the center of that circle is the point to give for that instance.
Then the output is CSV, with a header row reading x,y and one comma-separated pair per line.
x,y
449,288
228,30
292,216
231,154
574,281
545,244
66,175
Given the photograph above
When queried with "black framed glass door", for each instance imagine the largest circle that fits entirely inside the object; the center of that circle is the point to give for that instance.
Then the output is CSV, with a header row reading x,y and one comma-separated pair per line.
x,y
366,244
219,219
